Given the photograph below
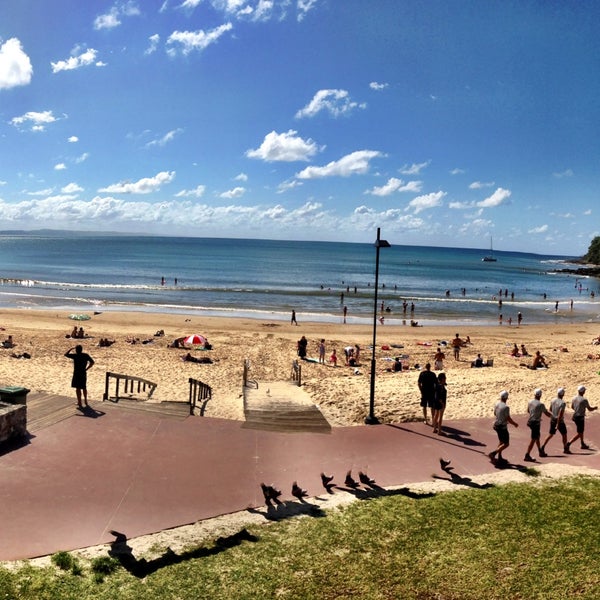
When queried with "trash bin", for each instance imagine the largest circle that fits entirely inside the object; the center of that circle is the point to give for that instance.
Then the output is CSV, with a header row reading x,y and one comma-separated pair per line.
x,y
14,394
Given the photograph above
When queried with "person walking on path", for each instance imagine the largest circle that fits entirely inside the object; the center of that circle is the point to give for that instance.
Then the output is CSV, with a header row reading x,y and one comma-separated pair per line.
x,y
439,404
503,418
557,421
536,409
81,363
579,405
427,383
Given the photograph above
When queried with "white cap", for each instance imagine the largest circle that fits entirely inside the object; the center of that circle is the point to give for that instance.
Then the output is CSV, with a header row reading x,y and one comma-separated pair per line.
x,y
581,389
504,395
560,391
537,392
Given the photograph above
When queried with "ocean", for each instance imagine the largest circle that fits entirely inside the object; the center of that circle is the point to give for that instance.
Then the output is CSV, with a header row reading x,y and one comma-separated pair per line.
x,y
267,279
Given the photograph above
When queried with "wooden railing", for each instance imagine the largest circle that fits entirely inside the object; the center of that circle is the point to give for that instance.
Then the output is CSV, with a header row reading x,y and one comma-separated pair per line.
x,y
248,382
296,373
131,386
200,393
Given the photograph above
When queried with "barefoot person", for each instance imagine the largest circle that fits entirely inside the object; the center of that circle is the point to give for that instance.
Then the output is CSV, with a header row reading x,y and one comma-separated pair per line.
x,y
81,363
503,418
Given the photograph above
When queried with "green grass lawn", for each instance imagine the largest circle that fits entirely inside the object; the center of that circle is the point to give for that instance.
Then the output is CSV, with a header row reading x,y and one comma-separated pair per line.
x,y
537,540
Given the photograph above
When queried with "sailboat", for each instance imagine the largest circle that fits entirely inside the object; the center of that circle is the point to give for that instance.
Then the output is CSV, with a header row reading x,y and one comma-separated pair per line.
x,y
490,257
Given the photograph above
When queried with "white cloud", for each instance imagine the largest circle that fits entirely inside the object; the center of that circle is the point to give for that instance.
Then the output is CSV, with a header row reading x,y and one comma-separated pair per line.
x,y
188,41
71,188
15,66
76,61
197,192
395,185
147,185
154,40
165,139
356,163
38,120
426,202
461,205
82,158
478,185
457,172
288,185
236,192
565,173
241,177
336,102
540,229
111,19
378,86
45,192
365,218
285,147
414,169
304,6
190,4
60,167
498,198
73,139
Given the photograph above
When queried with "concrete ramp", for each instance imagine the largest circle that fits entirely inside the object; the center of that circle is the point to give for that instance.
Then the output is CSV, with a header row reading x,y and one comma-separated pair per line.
x,y
282,406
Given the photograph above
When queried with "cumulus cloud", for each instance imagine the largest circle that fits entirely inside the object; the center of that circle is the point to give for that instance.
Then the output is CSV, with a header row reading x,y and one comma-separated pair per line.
x,y
378,86
285,147
112,18
478,185
185,42
73,139
365,218
356,163
290,184
76,61
197,192
82,158
414,169
15,66
336,102
498,198
165,139
71,188
236,192
146,185
37,120
395,185
60,167
457,172
421,203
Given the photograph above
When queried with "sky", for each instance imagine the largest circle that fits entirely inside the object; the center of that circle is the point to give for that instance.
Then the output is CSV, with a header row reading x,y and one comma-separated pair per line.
x,y
444,123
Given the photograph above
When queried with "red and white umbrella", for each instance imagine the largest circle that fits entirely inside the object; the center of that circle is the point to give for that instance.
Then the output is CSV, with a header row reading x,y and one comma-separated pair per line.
x,y
195,340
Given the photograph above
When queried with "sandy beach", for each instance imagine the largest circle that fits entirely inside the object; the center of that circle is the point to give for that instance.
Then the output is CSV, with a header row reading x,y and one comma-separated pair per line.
x,y
342,395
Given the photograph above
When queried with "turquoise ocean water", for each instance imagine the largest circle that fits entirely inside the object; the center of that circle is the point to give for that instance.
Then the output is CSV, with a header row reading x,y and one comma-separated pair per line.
x,y
266,279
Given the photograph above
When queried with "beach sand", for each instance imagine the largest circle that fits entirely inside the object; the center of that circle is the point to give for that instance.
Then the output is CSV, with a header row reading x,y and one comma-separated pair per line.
x,y
342,395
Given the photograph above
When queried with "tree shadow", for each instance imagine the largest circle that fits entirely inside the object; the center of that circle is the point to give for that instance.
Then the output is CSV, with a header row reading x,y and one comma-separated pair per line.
x,y
140,568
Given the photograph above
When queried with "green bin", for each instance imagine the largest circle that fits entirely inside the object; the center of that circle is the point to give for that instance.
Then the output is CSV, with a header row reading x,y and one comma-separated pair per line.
x,y
14,394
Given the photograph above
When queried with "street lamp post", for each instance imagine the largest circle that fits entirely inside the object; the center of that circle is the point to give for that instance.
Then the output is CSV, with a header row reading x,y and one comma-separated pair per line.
x,y
372,419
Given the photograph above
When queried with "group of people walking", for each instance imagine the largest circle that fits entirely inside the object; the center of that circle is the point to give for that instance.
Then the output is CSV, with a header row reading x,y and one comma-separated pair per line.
x,y
536,409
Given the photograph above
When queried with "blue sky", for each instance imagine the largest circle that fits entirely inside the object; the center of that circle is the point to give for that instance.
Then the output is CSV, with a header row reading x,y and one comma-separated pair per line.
x,y
443,123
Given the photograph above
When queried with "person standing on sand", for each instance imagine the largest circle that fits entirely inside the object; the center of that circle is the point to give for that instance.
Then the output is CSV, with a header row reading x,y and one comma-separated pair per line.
x,y
81,363
579,406
456,346
536,409
503,418
322,352
438,360
293,321
557,421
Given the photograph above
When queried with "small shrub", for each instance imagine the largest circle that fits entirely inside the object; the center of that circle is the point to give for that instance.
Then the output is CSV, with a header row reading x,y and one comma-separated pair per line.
x,y
63,560
104,565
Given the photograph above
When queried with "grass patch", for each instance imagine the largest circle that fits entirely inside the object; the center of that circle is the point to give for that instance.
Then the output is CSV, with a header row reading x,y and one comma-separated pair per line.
x,y
513,541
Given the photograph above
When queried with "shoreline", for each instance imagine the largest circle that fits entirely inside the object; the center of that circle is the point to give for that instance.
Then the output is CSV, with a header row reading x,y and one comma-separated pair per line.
x,y
270,346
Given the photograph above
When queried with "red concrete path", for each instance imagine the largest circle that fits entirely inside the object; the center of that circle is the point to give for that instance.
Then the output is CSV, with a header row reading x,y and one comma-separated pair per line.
x,y
139,474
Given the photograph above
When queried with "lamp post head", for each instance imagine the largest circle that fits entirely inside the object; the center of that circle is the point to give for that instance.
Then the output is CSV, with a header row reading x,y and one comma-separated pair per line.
x,y
382,244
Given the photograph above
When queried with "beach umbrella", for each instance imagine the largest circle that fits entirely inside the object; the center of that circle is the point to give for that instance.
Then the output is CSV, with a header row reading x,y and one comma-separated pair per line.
x,y
195,339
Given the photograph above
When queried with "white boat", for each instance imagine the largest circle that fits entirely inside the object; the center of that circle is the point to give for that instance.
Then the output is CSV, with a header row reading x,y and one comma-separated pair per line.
x,y
490,257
